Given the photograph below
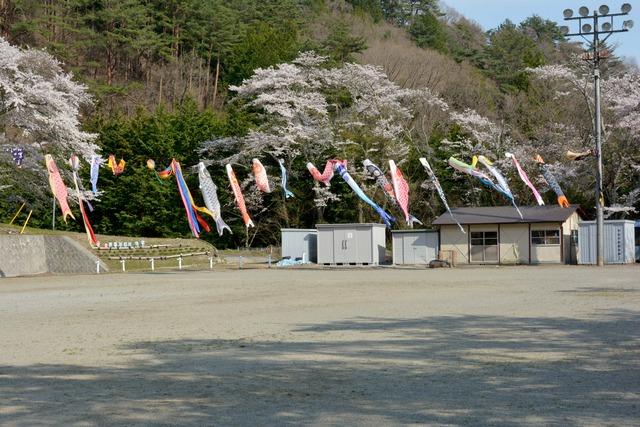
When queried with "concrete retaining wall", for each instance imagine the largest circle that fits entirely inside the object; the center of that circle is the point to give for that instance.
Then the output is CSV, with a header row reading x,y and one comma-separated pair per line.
x,y
28,255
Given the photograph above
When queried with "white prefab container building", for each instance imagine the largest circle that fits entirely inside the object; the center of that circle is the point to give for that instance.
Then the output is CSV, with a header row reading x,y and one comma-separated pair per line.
x,y
414,247
619,242
351,244
299,243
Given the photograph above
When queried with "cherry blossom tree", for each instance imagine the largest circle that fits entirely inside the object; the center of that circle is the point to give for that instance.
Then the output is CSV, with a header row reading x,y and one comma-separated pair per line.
x,y
39,113
42,102
312,112
620,125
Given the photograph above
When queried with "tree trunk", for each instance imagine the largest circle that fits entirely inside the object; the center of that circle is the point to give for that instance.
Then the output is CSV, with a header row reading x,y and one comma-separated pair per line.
x,y
176,38
189,84
206,87
111,65
215,84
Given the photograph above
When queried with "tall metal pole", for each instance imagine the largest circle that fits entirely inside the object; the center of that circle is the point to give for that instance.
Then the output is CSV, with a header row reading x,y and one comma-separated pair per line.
x,y
598,130
585,30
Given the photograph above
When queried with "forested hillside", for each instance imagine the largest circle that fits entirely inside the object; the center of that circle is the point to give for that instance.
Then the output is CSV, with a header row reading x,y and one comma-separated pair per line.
x,y
304,81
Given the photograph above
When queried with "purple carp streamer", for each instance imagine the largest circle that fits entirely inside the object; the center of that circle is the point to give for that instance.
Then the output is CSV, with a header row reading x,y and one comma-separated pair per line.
x,y
209,192
17,154
195,220
387,188
342,170
502,181
525,178
552,181
283,173
436,183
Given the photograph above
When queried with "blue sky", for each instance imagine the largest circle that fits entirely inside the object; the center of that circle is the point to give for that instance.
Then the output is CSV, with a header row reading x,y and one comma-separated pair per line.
x,y
491,13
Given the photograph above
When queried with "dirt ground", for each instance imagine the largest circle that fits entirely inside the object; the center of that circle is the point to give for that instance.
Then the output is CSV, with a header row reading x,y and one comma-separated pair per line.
x,y
468,346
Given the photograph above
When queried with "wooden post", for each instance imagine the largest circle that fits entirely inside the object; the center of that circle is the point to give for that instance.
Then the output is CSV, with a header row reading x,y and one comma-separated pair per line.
x,y
17,213
26,222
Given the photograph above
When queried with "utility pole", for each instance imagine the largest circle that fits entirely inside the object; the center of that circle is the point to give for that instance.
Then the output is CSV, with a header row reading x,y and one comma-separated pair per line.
x,y
586,29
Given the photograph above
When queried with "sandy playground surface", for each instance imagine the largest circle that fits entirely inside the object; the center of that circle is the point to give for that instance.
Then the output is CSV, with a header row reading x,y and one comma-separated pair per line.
x,y
468,346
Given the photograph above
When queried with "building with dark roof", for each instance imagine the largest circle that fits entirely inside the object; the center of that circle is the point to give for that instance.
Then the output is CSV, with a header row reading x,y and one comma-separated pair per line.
x,y
497,235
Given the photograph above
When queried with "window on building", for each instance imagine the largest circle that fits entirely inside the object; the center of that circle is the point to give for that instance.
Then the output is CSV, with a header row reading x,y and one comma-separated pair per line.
x,y
545,237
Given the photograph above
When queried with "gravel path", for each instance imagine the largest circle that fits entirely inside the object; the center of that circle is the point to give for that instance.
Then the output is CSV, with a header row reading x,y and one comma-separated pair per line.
x,y
467,346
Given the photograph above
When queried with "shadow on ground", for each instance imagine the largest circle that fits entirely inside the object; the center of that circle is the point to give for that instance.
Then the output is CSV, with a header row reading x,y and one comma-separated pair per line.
x,y
441,370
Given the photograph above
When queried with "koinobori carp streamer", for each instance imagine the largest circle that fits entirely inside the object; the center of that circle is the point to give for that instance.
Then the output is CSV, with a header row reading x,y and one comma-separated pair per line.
x,y
342,170
401,190
237,193
382,182
552,181
436,184
502,181
260,175
194,219
116,168
283,174
525,178
58,188
324,177
209,192
74,162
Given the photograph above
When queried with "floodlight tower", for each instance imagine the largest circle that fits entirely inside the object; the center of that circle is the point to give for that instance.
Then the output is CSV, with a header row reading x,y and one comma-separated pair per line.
x,y
593,28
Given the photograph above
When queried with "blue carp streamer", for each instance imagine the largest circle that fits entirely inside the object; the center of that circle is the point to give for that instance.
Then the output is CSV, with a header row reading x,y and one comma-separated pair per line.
x,y
283,172
386,218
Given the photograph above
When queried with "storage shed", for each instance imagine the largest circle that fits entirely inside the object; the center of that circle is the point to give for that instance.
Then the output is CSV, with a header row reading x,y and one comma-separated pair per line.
x,y
414,247
298,243
619,242
497,235
346,244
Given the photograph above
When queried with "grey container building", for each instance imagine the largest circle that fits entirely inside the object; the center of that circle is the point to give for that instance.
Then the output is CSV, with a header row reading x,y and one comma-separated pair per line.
x,y
414,247
619,245
298,242
351,244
